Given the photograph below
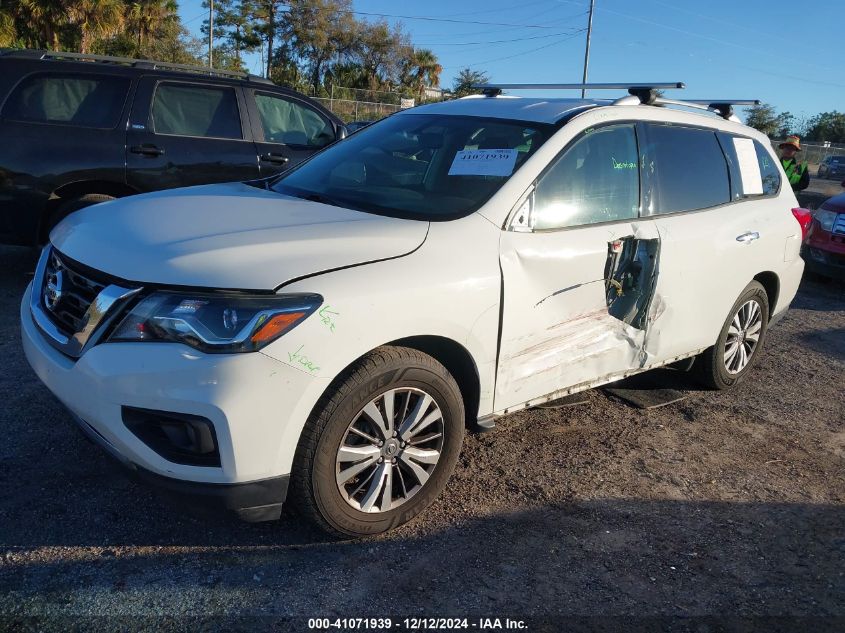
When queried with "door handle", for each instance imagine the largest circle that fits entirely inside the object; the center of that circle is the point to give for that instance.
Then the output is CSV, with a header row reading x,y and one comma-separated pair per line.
x,y
146,150
276,159
748,237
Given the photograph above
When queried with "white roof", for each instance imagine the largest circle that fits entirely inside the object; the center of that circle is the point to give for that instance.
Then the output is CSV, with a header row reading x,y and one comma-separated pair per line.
x,y
509,107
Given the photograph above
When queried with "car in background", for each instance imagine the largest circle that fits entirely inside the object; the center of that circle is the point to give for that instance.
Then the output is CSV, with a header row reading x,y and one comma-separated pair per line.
x,y
832,167
354,126
82,129
824,248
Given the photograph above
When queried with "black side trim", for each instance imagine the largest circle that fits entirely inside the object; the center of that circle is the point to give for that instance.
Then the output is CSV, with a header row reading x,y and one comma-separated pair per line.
x,y
252,501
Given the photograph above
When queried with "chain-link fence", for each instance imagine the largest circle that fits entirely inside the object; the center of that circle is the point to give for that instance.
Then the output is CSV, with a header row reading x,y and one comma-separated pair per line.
x,y
349,110
358,104
813,154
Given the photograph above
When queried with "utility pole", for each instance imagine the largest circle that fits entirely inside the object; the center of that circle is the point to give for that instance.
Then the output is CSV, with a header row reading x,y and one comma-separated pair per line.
x,y
587,51
211,32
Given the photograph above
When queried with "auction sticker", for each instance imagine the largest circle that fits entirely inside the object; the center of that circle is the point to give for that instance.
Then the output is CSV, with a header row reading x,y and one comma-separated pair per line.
x,y
483,162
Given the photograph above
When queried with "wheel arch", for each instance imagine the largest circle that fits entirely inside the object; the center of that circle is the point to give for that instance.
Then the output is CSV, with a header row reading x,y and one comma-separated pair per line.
x,y
452,355
457,360
771,284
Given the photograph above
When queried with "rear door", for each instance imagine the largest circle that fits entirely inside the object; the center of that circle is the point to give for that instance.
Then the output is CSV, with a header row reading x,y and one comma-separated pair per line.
x,y
714,238
578,277
58,128
287,130
184,133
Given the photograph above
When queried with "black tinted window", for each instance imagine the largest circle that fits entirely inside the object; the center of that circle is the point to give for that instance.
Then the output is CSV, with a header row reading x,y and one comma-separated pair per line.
x,y
87,101
687,169
292,123
196,111
595,180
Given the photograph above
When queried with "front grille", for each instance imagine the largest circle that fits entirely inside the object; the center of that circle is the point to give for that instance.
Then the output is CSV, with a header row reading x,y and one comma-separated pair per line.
x,y
77,291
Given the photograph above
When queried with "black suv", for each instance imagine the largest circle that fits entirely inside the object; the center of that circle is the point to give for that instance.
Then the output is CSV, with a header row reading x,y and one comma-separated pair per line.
x,y
80,129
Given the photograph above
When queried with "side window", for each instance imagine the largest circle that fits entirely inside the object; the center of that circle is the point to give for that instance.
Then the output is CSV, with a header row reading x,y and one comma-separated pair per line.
x,y
687,169
286,121
595,180
768,170
84,101
187,110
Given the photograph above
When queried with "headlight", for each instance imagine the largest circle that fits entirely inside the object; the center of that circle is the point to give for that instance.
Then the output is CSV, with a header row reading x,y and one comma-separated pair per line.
x,y
825,219
215,322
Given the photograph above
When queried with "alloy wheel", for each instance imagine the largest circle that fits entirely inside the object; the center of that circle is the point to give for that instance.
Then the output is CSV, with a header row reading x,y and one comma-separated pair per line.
x,y
389,450
743,336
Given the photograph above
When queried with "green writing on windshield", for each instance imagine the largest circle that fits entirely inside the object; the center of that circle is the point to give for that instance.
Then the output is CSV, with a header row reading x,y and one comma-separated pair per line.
x,y
618,165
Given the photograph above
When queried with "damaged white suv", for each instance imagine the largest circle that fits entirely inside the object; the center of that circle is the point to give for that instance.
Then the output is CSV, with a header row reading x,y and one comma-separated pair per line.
x,y
328,335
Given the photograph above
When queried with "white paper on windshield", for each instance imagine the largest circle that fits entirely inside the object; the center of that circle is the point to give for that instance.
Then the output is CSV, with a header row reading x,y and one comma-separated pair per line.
x,y
483,162
749,168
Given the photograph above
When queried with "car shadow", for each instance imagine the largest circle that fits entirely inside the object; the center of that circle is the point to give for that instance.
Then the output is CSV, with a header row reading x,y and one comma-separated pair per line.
x,y
829,342
603,556
820,295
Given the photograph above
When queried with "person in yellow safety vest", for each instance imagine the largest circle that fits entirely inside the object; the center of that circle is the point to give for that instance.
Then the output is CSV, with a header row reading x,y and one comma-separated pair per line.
x,y
798,174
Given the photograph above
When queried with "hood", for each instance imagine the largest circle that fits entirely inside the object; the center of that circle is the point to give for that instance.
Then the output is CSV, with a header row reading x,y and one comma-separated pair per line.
x,y
228,236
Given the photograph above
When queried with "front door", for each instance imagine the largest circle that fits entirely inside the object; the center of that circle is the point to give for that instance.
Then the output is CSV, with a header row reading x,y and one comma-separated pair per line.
x,y
287,130
184,133
579,271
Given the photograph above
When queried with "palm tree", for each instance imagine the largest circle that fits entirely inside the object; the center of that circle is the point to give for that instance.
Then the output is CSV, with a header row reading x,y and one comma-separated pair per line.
x,y
425,70
8,34
145,15
44,18
96,19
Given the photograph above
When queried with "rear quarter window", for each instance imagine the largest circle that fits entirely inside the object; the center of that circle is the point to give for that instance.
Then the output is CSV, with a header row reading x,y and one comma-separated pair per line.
x,y
754,169
82,101
686,169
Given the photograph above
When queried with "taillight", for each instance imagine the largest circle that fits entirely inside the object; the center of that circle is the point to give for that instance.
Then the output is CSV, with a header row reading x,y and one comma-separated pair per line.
x,y
805,218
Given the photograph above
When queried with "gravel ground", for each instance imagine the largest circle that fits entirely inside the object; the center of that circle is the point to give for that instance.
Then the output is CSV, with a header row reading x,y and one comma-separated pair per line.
x,y
723,503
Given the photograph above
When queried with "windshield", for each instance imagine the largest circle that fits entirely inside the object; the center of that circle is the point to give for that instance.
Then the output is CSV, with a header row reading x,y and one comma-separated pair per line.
x,y
421,166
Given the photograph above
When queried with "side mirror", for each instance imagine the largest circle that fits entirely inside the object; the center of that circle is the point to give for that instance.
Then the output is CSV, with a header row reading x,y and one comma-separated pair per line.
x,y
342,132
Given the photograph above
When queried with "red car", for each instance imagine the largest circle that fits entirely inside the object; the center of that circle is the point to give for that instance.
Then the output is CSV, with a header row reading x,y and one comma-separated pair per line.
x,y
824,248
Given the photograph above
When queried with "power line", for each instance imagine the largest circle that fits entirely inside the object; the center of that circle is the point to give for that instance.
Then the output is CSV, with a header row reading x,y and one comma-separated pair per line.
x,y
498,10
433,19
533,50
518,39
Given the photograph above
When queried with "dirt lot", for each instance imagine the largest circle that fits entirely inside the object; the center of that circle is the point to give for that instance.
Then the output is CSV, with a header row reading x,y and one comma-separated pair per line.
x,y
724,503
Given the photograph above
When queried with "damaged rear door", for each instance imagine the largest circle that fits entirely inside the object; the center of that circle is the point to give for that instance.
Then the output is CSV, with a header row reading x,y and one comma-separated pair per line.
x,y
579,268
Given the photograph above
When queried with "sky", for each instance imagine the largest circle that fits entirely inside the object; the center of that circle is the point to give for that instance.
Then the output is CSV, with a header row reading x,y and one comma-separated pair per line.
x,y
786,53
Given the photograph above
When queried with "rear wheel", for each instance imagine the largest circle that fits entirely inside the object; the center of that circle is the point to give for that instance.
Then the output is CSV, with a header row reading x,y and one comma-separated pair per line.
x,y
381,445
71,205
740,341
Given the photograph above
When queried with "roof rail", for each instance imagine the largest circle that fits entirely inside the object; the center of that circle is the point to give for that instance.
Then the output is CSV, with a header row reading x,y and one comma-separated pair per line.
x,y
128,61
721,107
646,90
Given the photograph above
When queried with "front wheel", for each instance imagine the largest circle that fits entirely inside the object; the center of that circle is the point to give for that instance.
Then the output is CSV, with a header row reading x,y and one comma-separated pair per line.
x,y
380,445
739,343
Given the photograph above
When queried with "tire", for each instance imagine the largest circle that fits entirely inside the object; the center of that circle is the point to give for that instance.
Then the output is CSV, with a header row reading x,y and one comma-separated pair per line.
x,y
358,505
710,367
73,204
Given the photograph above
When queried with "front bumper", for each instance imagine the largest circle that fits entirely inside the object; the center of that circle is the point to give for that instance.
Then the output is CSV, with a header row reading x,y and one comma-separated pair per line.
x,y
253,402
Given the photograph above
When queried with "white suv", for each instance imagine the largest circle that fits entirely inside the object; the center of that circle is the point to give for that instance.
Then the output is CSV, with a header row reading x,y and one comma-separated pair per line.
x,y
328,335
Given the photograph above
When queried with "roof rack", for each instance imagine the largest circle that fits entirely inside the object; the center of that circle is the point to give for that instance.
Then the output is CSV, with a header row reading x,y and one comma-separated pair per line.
x,y
128,61
644,93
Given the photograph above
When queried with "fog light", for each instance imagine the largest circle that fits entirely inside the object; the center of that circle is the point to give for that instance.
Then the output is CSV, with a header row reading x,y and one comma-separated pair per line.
x,y
178,437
